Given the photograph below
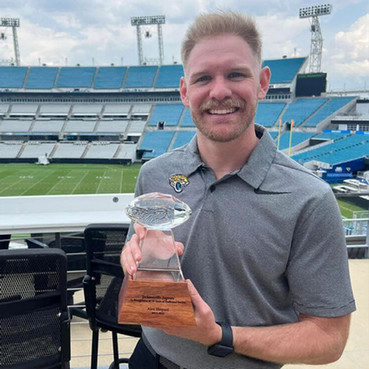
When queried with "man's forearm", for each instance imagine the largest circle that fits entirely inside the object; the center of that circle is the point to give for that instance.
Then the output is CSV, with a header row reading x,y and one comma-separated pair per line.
x,y
312,340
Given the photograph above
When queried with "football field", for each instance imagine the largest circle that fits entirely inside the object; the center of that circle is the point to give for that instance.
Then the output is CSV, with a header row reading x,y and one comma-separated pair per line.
x,y
66,179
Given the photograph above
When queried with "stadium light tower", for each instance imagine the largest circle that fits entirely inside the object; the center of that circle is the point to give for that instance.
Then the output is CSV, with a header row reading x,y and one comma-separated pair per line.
x,y
146,21
316,45
14,23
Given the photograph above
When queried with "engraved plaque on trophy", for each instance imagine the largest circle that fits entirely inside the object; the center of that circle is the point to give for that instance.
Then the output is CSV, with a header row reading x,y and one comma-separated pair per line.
x,y
157,294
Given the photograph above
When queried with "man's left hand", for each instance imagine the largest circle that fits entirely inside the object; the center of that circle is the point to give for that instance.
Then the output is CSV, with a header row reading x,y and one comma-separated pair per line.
x,y
207,331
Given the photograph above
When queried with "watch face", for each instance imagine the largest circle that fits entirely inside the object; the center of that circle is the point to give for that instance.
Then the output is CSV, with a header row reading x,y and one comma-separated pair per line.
x,y
220,350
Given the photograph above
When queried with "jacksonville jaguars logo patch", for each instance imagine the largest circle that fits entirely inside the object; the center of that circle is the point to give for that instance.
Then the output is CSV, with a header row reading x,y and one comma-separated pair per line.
x,y
178,182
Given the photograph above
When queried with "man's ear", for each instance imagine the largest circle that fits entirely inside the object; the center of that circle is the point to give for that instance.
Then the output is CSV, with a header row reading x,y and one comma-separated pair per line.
x,y
183,92
264,82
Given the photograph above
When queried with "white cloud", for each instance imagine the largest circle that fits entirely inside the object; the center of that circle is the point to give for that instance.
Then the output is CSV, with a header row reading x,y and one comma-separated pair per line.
x,y
347,62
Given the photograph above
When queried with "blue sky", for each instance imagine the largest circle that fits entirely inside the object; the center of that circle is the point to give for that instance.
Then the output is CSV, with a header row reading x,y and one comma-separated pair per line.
x,y
98,32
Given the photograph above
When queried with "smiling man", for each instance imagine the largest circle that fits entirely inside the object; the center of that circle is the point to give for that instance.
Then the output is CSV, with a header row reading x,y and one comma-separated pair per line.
x,y
264,251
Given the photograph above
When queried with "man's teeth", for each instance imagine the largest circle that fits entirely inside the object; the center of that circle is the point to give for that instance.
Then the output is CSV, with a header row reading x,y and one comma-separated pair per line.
x,y
222,111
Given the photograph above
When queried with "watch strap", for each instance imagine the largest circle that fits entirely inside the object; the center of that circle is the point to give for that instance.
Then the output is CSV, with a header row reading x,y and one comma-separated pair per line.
x,y
225,346
227,334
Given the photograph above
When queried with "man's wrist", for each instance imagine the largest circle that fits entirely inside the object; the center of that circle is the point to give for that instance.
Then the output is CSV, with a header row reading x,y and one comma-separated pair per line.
x,y
223,347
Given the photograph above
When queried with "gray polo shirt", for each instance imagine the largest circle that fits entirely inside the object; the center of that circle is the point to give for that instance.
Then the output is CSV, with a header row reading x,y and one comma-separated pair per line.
x,y
263,244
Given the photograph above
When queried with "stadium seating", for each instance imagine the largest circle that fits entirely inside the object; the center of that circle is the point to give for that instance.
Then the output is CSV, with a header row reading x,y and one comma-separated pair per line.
x,y
35,149
12,77
302,109
76,77
169,76
10,149
15,125
183,138
141,77
157,141
23,110
329,135
110,77
80,110
101,150
141,109
187,120
80,126
117,126
344,149
297,138
47,126
41,78
136,127
167,113
127,151
284,70
54,110
4,109
116,110
69,150
267,113
333,105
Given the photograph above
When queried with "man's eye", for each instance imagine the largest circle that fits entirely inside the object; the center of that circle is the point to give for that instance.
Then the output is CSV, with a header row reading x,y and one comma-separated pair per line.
x,y
234,75
203,79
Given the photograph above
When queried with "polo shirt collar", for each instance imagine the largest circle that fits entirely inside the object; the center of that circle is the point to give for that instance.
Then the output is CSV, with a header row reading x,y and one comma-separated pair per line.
x,y
257,166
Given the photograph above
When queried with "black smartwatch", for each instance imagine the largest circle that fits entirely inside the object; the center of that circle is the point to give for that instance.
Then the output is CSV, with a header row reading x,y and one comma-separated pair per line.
x,y
225,346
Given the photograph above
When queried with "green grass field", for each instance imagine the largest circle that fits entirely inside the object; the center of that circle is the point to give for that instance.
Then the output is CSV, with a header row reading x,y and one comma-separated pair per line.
x,y
66,179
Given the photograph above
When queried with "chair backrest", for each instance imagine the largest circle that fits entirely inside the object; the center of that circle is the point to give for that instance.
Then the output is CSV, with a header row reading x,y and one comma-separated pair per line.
x,y
104,243
34,320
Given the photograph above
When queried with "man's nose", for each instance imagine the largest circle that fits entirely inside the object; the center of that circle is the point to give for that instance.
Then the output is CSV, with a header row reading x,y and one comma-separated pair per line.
x,y
220,89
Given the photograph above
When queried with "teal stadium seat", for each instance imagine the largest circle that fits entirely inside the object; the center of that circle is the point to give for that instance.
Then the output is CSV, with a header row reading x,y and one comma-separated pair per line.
x,y
187,120
267,113
183,138
12,77
76,77
157,141
141,77
42,78
297,138
168,113
110,77
330,108
284,70
169,76
302,109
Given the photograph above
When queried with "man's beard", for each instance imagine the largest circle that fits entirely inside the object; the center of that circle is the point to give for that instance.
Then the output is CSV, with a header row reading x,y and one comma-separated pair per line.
x,y
212,134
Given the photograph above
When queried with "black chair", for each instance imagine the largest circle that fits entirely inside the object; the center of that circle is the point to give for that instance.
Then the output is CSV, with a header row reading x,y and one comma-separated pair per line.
x,y
34,319
74,247
104,243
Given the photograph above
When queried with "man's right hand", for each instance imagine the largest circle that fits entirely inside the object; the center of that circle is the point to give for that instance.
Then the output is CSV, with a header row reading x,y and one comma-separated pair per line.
x,y
131,253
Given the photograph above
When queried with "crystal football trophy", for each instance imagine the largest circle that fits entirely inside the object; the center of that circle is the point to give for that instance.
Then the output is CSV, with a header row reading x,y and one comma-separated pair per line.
x,y
157,295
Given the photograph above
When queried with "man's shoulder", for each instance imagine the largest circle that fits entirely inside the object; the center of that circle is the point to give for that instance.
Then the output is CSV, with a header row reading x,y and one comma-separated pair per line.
x,y
287,173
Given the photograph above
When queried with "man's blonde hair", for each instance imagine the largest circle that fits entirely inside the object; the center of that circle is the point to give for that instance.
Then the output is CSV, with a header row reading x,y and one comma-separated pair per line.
x,y
222,22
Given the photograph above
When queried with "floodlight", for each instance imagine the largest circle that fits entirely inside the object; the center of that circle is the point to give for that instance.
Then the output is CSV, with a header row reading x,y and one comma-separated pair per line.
x,y
145,21
316,45
315,11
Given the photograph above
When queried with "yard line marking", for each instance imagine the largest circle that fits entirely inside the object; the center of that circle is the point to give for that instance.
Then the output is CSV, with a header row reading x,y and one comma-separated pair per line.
x,y
60,182
75,187
47,175
100,181
121,182
16,178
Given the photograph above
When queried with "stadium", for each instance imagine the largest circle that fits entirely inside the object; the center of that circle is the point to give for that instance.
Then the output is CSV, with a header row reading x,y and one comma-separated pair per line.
x,y
86,130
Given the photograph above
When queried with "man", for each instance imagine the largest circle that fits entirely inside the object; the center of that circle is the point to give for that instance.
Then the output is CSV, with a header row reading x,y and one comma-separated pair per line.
x,y
264,251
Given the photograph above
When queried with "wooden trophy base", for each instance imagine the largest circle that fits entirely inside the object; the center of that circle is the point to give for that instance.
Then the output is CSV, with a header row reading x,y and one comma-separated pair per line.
x,y
155,303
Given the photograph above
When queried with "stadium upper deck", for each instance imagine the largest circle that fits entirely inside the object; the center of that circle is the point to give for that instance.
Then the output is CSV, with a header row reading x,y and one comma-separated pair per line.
x,y
284,72
135,112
